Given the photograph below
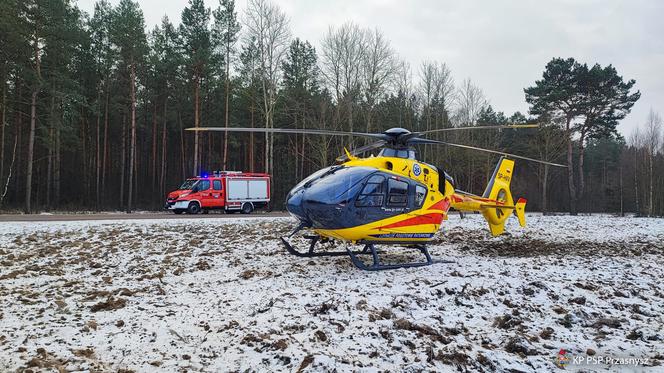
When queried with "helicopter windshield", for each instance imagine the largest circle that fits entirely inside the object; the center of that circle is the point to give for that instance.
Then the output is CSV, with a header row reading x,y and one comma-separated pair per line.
x,y
338,185
314,176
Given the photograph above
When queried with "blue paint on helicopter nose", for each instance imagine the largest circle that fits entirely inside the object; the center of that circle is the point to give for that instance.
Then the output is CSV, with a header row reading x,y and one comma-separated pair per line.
x,y
294,205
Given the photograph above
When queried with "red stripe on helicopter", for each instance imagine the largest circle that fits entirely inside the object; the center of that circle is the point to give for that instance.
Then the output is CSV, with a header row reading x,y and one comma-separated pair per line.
x,y
443,204
490,200
433,218
457,199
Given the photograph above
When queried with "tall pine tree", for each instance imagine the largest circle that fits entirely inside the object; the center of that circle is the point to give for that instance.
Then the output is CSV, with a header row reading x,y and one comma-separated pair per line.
x,y
225,33
197,47
128,35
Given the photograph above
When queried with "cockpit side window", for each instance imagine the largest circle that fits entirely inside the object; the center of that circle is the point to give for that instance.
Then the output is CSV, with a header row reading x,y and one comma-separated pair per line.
x,y
397,193
398,153
420,194
373,193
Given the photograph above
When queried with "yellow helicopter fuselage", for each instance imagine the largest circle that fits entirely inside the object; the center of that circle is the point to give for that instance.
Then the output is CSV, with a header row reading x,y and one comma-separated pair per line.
x,y
420,224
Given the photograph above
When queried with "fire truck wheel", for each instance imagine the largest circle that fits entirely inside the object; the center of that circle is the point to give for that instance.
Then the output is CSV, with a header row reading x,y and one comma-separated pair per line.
x,y
194,208
247,208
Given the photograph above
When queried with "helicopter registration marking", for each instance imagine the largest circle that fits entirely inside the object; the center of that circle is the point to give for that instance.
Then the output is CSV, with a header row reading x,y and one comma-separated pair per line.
x,y
393,209
503,177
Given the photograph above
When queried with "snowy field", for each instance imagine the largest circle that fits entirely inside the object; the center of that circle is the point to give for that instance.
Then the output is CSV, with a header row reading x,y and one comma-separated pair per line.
x,y
223,295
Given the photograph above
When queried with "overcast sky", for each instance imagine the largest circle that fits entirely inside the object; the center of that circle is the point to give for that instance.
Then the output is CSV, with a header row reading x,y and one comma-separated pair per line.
x,y
502,46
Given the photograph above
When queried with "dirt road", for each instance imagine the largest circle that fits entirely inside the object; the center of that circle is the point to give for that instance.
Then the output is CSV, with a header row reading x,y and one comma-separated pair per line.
x,y
133,216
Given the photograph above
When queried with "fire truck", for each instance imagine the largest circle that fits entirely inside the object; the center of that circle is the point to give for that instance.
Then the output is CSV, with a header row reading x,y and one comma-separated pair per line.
x,y
231,191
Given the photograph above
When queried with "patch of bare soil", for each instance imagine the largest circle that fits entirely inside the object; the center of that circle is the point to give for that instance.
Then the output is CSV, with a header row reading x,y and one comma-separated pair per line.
x,y
474,241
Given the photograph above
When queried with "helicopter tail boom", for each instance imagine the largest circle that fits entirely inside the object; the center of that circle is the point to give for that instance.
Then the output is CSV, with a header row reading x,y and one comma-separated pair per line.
x,y
496,203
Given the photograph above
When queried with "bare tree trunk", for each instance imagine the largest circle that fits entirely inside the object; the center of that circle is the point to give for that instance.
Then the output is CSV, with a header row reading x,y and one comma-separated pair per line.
x,y
19,137
154,148
84,159
123,161
98,155
33,122
9,174
304,143
651,157
267,143
182,150
2,127
196,122
622,201
271,145
137,168
228,84
582,184
162,184
251,138
545,184
205,157
296,146
56,167
132,146
636,182
350,119
208,154
49,168
106,150
31,145
570,171
50,145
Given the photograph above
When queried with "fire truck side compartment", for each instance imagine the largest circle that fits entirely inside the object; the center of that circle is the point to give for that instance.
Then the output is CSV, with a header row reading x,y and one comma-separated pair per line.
x,y
240,189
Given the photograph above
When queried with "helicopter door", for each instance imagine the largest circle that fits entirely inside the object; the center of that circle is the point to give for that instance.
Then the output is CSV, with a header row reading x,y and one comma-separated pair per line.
x,y
397,194
373,193
370,201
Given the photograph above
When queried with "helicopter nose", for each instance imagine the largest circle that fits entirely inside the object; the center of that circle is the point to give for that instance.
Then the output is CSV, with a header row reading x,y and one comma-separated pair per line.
x,y
294,205
304,205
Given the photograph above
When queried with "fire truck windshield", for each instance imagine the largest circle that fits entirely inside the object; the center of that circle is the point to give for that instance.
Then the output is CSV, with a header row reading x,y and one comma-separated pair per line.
x,y
188,185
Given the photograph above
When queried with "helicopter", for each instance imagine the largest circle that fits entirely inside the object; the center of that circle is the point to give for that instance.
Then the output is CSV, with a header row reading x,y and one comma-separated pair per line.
x,y
391,198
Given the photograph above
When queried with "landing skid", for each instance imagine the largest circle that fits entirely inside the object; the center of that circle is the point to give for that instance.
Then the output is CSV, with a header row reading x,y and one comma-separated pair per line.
x,y
376,264
313,240
369,248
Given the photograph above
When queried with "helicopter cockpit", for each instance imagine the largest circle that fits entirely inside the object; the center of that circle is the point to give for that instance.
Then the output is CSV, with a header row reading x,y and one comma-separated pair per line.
x,y
341,197
405,153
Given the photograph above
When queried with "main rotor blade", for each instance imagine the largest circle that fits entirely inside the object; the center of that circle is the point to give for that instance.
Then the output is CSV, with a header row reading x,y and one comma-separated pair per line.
x,y
361,149
286,130
427,141
481,128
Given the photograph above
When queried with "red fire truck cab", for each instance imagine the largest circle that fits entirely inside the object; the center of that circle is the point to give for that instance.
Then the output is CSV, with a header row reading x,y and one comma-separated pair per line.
x,y
229,190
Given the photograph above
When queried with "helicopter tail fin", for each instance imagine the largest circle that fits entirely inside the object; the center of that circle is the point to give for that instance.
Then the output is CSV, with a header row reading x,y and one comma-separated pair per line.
x,y
500,203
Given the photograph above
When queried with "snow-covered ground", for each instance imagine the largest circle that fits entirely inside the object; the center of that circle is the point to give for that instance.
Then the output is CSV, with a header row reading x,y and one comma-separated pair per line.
x,y
223,295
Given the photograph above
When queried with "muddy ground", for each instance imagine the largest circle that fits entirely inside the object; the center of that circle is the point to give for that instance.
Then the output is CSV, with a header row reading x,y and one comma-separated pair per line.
x,y
225,296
